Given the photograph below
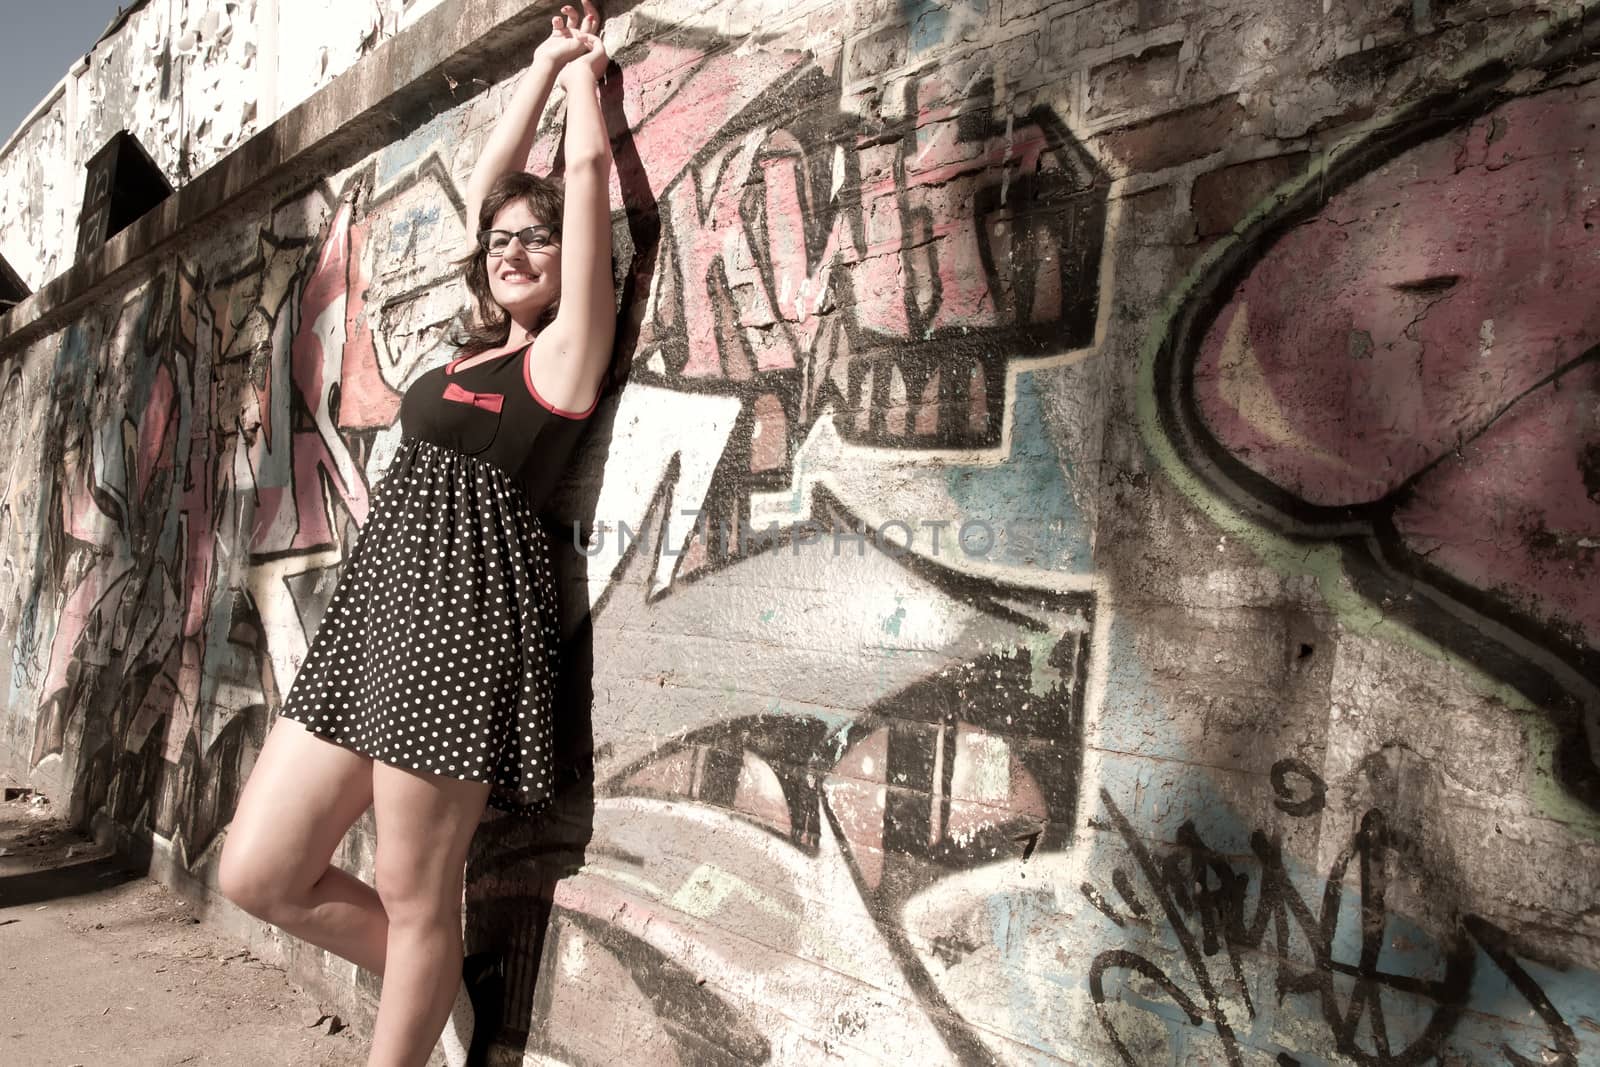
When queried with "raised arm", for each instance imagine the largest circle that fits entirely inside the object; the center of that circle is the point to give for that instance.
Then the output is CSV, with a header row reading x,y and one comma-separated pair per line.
x,y
586,320
511,140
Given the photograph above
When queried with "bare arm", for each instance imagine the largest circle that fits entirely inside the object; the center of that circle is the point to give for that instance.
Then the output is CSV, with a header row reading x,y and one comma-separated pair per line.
x,y
585,325
511,140
512,137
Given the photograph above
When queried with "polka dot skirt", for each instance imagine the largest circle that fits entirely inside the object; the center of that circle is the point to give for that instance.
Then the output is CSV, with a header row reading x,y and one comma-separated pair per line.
x,y
438,650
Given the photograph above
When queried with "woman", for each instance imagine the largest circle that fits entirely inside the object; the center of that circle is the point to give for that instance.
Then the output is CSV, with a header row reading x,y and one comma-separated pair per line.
x,y
427,690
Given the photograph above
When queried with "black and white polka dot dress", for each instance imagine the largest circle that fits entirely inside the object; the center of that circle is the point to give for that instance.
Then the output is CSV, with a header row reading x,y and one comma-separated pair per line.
x,y
439,649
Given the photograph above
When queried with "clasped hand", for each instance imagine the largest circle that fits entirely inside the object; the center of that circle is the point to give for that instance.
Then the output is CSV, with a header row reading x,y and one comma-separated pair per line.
x,y
574,48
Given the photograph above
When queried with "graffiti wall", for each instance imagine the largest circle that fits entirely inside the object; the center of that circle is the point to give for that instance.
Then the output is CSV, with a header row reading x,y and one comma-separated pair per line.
x,y
1092,561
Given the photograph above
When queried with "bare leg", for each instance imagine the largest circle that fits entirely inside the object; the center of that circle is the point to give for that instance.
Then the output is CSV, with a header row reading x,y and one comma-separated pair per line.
x,y
303,794
425,824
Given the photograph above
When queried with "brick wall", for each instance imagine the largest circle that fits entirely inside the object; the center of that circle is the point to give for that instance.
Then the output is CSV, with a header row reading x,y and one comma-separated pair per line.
x,y
1214,681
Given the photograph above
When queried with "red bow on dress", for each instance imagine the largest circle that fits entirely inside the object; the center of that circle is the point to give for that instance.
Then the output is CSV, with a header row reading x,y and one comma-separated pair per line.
x,y
486,401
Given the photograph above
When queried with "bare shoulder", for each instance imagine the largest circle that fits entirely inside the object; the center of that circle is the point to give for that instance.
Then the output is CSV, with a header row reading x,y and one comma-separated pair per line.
x,y
563,369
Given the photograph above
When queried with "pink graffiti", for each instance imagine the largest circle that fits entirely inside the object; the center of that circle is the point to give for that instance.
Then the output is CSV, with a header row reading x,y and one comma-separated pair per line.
x,y
292,512
1417,342
108,608
155,430
798,237
366,400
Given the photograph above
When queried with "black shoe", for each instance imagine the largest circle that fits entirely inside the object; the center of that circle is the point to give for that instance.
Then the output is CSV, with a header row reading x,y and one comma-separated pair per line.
x,y
485,978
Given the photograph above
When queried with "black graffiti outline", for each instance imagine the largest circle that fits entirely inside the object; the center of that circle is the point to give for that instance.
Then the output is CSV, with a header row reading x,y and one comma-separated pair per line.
x,y
1530,655
87,722
1004,601
808,98
1221,912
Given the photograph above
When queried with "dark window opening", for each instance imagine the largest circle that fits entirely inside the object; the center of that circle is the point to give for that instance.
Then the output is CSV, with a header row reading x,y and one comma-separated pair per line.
x,y
122,183
13,290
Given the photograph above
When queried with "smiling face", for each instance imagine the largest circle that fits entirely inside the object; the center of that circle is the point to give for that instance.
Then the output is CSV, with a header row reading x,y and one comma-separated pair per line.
x,y
524,283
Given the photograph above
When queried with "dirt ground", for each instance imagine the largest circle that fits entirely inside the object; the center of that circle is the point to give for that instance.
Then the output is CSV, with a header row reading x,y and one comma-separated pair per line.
x,y
101,966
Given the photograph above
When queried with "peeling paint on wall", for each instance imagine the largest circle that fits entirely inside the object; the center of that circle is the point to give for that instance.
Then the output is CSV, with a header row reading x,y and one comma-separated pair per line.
x,y
187,79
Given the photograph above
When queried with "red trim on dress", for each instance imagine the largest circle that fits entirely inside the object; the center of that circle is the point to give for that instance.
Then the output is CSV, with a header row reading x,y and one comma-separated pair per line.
x,y
527,377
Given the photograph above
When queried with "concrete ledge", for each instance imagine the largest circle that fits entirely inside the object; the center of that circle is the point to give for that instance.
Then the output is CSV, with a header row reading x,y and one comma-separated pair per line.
x,y
381,99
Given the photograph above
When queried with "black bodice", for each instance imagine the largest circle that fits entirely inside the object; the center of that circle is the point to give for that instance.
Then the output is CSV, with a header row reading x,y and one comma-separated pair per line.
x,y
491,411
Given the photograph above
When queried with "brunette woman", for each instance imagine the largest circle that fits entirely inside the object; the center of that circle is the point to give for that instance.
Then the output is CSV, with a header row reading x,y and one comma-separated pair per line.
x,y
427,692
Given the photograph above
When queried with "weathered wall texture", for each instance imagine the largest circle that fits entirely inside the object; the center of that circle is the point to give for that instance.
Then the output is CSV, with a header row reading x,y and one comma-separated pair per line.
x,y
1262,730
191,79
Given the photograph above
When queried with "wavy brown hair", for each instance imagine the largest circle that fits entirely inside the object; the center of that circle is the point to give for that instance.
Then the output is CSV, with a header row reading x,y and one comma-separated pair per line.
x,y
492,325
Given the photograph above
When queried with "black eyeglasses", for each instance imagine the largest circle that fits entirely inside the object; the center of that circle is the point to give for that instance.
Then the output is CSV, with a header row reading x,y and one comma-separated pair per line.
x,y
533,238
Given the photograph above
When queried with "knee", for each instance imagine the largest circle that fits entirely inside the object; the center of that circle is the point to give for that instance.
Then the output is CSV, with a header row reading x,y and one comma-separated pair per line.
x,y
250,883
413,897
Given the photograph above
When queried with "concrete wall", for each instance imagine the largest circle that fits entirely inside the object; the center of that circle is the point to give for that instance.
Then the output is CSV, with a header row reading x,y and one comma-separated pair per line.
x,y
1252,718
192,80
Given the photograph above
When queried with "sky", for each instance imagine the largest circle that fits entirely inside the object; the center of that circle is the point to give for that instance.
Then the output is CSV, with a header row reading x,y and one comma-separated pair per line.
x,y
39,40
